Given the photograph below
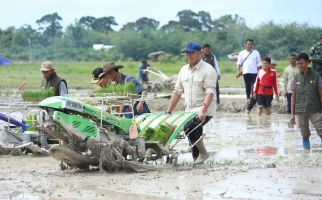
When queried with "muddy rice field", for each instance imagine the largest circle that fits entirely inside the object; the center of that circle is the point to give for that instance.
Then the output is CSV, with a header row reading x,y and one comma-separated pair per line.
x,y
251,157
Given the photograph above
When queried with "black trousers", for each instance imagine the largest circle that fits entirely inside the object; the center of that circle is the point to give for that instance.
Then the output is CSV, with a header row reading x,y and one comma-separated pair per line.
x,y
289,97
195,134
251,103
249,80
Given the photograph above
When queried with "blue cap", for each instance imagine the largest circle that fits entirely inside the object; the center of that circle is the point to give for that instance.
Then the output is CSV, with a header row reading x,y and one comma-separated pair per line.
x,y
192,47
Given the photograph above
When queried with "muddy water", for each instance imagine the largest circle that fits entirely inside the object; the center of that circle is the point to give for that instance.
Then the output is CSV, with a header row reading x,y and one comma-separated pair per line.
x,y
251,158
270,143
250,138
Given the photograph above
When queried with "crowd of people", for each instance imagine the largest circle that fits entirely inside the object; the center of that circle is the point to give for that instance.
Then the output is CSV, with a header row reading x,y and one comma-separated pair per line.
x,y
302,86
199,79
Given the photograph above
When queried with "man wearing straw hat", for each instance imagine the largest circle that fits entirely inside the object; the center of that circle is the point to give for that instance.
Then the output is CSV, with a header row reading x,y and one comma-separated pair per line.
x,y
109,74
52,80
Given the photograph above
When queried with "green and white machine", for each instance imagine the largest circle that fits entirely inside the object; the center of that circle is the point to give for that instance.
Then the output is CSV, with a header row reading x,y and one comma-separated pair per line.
x,y
87,118
74,122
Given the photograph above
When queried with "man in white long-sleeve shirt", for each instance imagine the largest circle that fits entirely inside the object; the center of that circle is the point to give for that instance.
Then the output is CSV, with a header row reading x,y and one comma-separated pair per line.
x,y
248,63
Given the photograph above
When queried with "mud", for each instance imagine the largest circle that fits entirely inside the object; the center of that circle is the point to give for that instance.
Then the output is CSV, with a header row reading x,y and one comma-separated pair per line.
x,y
251,157
40,178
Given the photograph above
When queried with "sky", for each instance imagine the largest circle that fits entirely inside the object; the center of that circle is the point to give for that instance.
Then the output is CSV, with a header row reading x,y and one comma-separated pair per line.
x,y
255,12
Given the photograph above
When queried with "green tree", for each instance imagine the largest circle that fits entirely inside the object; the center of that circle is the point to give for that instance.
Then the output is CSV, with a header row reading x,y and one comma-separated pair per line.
x,y
279,41
75,34
188,20
136,39
104,24
50,25
171,26
141,24
25,36
7,37
87,21
134,45
205,20
226,20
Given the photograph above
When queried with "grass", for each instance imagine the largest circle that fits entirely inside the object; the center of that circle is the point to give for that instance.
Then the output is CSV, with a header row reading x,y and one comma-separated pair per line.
x,y
78,74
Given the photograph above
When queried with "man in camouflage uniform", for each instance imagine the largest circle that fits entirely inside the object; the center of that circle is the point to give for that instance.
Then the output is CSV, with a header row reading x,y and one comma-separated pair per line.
x,y
316,57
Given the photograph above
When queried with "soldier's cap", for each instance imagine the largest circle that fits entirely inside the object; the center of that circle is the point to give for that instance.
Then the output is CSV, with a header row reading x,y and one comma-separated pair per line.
x,y
192,47
46,66
320,35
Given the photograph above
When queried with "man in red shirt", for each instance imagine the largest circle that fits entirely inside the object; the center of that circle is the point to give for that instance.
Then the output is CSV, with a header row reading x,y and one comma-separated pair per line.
x,y
264,86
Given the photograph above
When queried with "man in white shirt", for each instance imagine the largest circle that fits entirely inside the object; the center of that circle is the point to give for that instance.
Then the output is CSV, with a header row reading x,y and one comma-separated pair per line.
x,y
248,63
197,80
289,74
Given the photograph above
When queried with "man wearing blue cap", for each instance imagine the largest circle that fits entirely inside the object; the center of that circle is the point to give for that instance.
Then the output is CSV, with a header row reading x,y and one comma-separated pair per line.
x,y
197,81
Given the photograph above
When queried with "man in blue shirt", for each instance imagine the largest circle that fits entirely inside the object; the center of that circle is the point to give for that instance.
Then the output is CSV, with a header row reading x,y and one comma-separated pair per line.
x,y
110,73
143,76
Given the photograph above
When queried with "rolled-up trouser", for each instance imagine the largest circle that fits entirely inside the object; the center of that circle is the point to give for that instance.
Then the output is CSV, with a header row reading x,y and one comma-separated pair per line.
x,y
303,123
251,103
195,134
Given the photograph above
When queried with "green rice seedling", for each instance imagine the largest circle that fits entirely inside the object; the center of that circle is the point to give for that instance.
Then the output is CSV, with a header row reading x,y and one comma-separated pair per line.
x,y
148,134
37,95
104,90
32,121
129,88
161,134
119,89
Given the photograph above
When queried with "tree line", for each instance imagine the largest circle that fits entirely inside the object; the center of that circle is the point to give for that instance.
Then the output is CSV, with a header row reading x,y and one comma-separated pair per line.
x,y
134,40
